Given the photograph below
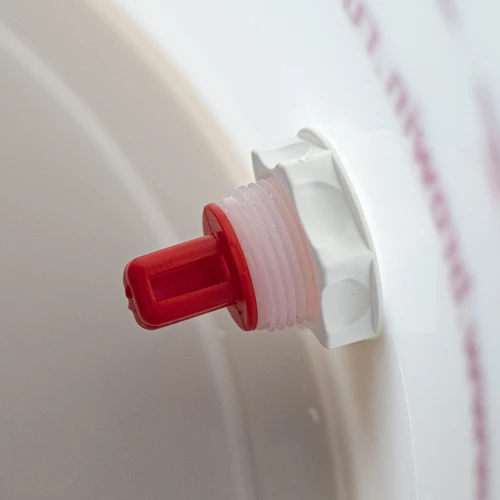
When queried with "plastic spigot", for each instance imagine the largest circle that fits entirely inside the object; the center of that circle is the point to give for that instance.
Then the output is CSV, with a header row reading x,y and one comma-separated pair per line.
x,y
193,278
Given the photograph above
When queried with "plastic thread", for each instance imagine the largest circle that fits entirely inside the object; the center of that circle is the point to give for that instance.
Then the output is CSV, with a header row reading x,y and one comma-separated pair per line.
x,y
278,259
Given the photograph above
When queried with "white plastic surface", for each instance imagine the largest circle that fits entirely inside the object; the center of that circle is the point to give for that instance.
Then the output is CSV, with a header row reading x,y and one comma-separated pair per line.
x,y
92,407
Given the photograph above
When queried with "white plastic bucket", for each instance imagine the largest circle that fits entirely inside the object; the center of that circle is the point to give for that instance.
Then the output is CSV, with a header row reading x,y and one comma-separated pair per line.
x,y
117,129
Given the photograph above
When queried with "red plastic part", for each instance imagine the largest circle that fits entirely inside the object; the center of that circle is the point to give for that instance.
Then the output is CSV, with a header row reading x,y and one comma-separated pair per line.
x,y
193,278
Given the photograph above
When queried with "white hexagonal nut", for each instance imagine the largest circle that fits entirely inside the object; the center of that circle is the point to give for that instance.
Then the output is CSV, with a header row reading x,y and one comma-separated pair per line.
x,y
339,240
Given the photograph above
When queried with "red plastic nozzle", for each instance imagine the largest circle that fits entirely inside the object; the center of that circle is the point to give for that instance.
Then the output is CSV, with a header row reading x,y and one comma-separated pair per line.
x,y
193,278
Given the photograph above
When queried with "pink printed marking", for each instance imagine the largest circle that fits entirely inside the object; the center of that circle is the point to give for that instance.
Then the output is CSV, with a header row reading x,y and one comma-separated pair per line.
x,y
459,277
478,408
360,18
